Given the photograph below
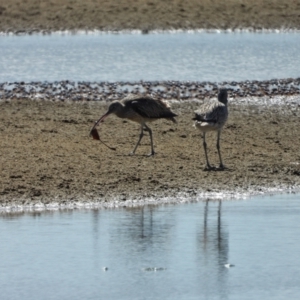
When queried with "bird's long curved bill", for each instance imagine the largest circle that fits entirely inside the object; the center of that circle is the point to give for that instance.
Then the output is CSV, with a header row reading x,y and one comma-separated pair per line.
x,y
101,119
94,132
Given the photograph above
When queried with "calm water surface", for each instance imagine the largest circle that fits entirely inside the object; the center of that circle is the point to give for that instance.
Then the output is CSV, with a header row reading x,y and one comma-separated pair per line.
x,y
151,57
61,255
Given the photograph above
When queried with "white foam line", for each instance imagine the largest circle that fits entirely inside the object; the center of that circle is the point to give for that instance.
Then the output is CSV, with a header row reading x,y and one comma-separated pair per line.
x,y
180,198
280,100
156,31
265,101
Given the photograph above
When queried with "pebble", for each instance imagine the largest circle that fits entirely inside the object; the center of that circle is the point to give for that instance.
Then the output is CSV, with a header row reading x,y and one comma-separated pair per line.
x,y
171,90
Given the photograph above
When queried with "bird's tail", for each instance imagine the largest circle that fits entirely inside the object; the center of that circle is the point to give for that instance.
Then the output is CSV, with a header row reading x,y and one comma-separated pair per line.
x,y
173,119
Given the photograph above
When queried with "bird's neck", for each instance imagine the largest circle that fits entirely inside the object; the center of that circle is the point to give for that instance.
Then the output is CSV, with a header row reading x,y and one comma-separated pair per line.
x,y
121,114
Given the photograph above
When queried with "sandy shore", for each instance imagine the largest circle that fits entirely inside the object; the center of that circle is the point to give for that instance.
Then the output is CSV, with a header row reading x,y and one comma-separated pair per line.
x,y
47,155
39,15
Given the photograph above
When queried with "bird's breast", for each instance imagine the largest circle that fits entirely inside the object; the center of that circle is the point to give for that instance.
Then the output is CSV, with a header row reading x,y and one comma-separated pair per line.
x,y
207,126
134,117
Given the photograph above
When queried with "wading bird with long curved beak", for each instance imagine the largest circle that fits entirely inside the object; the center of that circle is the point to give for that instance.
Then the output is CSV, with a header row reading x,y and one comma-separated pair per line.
x,y
140,109
212,116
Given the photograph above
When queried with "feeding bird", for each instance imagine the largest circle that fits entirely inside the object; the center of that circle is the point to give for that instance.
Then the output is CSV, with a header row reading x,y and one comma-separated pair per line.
x,y
212,116
140,109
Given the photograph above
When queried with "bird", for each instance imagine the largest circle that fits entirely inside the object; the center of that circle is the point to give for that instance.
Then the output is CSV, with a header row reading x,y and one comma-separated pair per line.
x,y
212,116
140,109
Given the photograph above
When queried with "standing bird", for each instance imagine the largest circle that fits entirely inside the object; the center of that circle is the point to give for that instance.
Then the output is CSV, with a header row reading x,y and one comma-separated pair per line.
x,y
140,109
212,116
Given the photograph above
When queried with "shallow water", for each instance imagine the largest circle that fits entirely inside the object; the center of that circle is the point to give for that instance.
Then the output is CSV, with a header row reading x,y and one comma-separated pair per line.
x,y
61,254
152,57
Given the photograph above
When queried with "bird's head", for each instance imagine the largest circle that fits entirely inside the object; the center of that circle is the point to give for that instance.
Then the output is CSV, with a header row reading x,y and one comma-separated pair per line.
x,y
222,96
114,108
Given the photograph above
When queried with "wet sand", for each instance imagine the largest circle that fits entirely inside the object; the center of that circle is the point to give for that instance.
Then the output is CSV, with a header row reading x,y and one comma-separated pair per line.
x,y
47,155
37,15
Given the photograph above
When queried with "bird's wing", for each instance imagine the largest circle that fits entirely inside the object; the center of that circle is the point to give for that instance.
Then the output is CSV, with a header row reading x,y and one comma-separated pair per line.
x,y
211,112
150,108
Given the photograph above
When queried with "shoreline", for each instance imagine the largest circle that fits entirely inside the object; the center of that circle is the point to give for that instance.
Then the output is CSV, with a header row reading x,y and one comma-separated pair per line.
x,y
163,200
25,32
35,15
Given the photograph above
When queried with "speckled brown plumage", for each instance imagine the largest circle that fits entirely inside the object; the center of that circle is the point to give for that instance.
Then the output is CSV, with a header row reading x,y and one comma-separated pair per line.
x,y
140,109
212,116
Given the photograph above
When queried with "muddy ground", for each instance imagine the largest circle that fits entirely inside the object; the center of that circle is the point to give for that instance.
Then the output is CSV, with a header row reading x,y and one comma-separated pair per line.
x,y
31,15
46,153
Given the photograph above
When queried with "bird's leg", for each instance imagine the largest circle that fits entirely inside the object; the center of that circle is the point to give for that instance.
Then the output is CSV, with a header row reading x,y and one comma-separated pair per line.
x,y
208,167
151,140
218,147
139,140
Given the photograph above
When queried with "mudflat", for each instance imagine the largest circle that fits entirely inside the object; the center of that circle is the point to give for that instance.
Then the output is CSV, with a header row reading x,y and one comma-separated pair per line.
x,y
47,155
37,15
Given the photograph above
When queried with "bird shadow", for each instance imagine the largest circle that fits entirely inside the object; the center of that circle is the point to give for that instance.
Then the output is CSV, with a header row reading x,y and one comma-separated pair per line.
x,y
135,155
218,169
